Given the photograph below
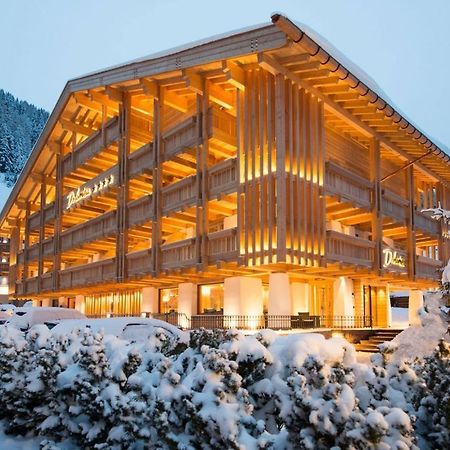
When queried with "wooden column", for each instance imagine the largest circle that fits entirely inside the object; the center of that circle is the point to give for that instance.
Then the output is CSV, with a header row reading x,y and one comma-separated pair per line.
x,y
377,226
59,200
14,243
123,190
411,229
240,164
280,141
202,167
157,184
26,242
41,232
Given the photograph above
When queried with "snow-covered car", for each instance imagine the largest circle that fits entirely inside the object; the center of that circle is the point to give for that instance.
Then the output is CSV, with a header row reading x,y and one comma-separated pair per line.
x,y
136,329
6,311
25,317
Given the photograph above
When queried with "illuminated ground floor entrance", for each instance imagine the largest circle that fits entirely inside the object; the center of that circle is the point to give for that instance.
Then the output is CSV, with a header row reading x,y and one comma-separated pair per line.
x,y
277,301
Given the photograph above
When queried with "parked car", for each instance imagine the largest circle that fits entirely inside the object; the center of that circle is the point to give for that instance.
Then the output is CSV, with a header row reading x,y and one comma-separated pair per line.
x,y
129,328
25,317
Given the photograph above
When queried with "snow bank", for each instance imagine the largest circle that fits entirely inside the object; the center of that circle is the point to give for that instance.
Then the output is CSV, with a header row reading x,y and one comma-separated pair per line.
x,y
400,318
219,389
420,340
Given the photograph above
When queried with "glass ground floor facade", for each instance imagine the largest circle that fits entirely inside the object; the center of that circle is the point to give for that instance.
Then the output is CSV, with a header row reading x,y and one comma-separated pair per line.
x,y
278,301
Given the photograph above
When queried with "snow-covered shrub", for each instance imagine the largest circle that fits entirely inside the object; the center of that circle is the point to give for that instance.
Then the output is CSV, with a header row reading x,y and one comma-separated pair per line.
x,y
433,403
221,390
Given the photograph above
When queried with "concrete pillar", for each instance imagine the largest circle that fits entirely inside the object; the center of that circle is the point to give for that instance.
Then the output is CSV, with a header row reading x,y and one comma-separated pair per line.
x,y
300,294
46,302
343,298
187,299
63,302
149,300
279,294
243,296
80,303
415,303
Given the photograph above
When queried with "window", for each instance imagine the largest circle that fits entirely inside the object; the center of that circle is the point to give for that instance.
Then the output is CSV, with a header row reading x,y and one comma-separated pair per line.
x,y
168,300
211,298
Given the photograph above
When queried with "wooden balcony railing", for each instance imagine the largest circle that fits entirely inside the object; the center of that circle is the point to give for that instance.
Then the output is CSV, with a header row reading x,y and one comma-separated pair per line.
x,y
428,268
140,210
48,248
180,137
425,223
99,227
394,206
178,195
223,178
34,221
88,274
31,286
178,254
223,245
141,161
222,128
139,263
349,249
33,252
91,146
347,185
47,281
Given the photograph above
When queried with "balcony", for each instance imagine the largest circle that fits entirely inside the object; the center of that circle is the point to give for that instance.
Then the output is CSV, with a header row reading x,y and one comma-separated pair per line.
x,y
88,274
427,268
223,245
349,249
34,221
48,249
223,178
426,224
140,210
393,206
178,254
139,263
347,186
141,161
180,137
97,228
180,195
47,281
91,146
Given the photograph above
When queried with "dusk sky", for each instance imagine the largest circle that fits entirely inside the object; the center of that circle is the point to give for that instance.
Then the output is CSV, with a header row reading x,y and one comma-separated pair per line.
x,y
402,44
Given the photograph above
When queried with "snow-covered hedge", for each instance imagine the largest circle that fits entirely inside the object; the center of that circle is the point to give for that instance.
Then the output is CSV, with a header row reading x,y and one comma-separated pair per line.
x,y
222,390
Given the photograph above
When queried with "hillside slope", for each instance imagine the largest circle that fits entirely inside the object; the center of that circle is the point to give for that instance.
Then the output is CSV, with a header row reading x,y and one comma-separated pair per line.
x,y
20,126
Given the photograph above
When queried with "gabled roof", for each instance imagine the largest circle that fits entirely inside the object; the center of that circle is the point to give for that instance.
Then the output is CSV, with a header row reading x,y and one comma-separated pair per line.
x,y
252,40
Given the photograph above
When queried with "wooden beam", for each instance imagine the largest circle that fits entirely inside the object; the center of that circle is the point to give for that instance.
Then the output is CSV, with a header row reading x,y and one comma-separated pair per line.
x,y
234,74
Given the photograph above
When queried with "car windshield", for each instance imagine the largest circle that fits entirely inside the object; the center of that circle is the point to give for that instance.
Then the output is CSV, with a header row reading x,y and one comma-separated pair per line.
x,y
21,313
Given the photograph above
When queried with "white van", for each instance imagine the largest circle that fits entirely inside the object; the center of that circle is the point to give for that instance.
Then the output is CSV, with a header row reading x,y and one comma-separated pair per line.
x,y
25,318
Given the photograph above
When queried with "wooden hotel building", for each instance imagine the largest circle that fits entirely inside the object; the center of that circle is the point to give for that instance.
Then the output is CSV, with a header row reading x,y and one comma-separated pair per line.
x,y
249,180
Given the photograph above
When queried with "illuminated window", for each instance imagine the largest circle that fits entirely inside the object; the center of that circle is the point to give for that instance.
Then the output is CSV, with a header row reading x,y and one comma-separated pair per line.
x,y
211,298
168,300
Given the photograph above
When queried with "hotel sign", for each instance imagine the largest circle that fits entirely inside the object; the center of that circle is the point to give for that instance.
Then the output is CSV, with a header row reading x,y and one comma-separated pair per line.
x,y
88,191
392,257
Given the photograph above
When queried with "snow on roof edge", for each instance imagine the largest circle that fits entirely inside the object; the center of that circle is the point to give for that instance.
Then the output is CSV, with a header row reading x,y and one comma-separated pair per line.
x,y
177,49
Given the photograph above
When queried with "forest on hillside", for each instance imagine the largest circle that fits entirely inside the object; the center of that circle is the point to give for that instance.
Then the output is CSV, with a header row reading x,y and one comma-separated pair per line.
x,y
20,126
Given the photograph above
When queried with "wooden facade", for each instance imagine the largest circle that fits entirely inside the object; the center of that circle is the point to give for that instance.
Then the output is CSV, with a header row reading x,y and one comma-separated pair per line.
x,y
244,156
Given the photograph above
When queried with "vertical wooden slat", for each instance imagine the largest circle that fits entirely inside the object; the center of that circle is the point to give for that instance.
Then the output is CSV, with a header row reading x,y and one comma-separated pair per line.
x,y
375,175
280,139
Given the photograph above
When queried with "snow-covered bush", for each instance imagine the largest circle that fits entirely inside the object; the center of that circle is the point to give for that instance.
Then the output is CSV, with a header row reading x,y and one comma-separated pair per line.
x,y
221,390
